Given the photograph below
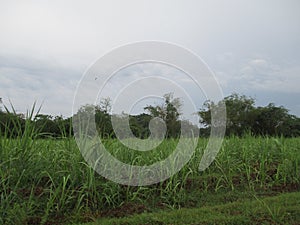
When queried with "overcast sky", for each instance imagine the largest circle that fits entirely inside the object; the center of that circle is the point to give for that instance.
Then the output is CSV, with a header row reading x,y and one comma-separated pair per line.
x,y
253,47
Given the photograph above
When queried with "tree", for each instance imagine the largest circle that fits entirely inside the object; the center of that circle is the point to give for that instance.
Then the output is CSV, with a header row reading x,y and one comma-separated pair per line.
x,y
99,114
292,126
169,111
238,110
139,124
274,120
11,124
103,118
46,126
244,117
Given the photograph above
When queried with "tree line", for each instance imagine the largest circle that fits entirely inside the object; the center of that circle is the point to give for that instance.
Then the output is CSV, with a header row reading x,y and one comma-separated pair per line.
x,y
243,117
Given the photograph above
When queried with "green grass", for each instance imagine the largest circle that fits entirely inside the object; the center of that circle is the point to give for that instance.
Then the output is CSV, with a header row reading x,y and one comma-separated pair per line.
x,y
47,181
283,209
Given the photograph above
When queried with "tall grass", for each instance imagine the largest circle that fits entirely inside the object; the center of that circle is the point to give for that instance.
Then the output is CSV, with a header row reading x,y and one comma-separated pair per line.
x,y
46,180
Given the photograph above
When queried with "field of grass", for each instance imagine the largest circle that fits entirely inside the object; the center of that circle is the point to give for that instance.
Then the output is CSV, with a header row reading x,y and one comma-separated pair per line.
x,y
46,181
282,209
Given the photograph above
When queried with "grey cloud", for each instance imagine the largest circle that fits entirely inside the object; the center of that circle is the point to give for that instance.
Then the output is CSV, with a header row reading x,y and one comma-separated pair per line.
x,y
25,80
253,47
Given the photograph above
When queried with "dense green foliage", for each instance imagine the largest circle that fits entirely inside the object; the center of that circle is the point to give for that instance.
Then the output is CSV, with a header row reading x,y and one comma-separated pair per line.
x,y
46,181
244,117
13,125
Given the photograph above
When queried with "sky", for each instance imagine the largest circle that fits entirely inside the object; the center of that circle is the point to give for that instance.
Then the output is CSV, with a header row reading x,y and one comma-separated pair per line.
x,y
252,47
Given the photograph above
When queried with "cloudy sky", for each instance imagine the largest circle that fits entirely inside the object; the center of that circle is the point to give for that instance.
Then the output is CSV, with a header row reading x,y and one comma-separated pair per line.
x,y
253,47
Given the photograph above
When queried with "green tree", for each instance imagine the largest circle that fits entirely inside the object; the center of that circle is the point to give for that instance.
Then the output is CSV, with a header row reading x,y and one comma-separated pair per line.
x,y
238,110
275,120
139,125
103,118
11,124
169,111
99,114
244,117
46,126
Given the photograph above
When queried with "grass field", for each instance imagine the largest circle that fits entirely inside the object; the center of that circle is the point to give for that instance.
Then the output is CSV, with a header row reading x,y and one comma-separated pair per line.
x,y
282,209
253,180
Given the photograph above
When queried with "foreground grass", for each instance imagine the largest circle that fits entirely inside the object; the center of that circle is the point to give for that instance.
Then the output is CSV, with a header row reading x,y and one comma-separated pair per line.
x,y
48,182
282,209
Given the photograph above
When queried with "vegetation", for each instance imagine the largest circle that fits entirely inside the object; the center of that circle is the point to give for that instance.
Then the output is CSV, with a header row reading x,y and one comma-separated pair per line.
x,y
269,210
243,117
45,180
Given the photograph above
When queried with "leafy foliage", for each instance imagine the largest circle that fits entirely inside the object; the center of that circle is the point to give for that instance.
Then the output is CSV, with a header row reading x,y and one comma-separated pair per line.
x,y
169,112
244,117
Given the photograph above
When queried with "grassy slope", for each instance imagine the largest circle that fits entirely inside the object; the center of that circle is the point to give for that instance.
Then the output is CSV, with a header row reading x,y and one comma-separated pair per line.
x,y
282,209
